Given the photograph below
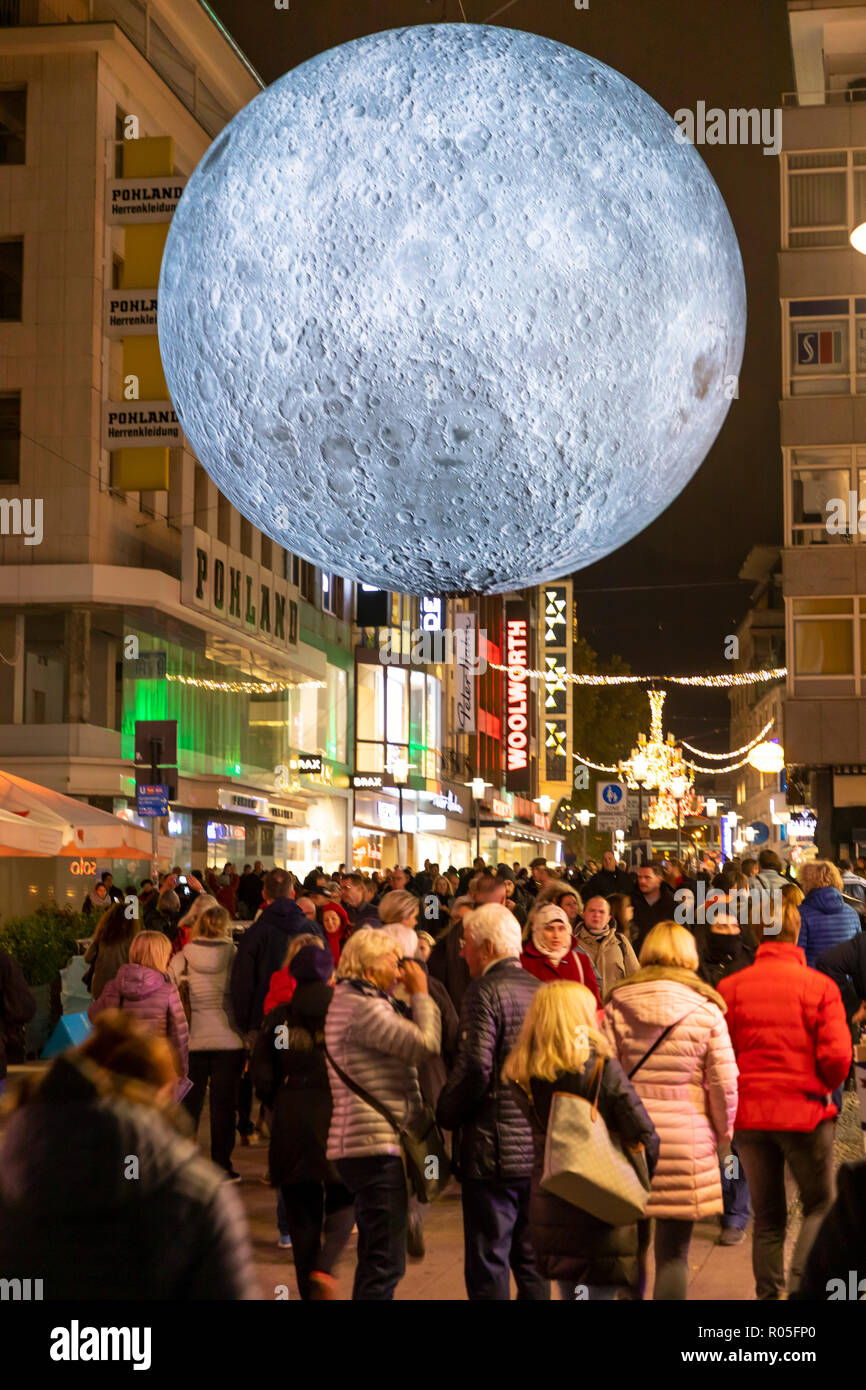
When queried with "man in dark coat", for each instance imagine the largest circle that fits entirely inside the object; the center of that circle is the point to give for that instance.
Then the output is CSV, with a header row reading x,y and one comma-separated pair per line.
x,y
262,950
653,902
493,1147
608,880
360,912
846,964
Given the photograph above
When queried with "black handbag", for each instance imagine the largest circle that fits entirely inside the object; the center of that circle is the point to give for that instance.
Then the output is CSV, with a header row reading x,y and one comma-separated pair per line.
x,y
425,1154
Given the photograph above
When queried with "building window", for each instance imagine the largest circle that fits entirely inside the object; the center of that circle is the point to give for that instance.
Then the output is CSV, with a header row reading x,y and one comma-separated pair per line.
x,y
10,436
13,121
11,278
817,201
224,519
327,593
246,538
267,553
201,498
819,483
119,135
825,635
308,581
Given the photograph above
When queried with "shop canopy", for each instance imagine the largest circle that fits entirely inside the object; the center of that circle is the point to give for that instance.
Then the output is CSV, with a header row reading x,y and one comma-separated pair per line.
x,y
35,820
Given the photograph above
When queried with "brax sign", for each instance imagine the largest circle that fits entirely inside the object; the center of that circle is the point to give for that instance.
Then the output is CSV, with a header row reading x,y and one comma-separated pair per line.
x,y
227,585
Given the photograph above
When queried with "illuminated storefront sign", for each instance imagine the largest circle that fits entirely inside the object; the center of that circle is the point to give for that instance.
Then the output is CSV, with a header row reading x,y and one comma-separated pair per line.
x,y
517,696
501,809
227,585
216,831
431,614
539,821
448,803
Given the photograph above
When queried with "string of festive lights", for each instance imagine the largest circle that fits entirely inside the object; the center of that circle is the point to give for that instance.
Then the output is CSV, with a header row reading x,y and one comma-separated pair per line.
x,y
596,767
717,771
733,752
717,682
244,687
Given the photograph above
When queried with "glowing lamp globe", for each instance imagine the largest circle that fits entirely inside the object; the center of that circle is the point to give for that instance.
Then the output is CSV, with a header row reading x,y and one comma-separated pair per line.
x,y
451,308
767,757
858,238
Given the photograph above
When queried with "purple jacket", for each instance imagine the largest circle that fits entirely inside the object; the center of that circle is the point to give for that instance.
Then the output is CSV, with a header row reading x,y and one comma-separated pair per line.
x,y
153,998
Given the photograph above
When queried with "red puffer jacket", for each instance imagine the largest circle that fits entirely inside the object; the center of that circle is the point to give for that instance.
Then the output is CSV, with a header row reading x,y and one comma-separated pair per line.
x,y
787,1024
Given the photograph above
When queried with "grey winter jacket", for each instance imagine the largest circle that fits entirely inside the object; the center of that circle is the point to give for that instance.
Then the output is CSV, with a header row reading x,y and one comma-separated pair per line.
x,y
377,1046
207,964
153,998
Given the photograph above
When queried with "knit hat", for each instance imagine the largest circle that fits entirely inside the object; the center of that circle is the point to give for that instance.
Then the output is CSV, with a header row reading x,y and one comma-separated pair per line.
x,y
312,963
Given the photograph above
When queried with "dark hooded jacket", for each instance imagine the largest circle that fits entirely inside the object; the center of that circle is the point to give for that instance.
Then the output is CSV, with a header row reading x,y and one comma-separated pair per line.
x,y
261,953
72,1215
292,1080
569,1243
17,1006
721,955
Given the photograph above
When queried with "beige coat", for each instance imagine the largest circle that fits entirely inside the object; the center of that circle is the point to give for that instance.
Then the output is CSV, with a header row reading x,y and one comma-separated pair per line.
x,y
688,1085
611,955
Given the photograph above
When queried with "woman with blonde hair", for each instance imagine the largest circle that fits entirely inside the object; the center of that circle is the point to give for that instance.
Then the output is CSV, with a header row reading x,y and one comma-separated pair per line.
x,y
371,1044
398,910
203,903
669,1023
561,1049
216,1048
144,989
825,918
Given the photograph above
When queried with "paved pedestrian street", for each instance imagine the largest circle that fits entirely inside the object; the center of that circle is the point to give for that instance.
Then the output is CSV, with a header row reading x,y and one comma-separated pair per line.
x,y
715,1271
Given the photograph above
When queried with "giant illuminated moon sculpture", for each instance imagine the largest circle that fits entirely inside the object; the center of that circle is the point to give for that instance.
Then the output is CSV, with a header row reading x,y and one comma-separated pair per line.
x,y
450,308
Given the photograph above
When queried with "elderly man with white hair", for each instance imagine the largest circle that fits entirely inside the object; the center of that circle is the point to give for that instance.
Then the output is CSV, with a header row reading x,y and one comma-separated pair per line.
x,y
493,1149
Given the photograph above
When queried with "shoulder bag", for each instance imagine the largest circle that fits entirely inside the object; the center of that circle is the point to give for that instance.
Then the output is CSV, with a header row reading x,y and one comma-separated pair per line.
x,y
585,1164
425,1156
182,987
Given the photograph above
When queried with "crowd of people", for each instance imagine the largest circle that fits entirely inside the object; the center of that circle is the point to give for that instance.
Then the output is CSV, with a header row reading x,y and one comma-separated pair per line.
x,y
333,1018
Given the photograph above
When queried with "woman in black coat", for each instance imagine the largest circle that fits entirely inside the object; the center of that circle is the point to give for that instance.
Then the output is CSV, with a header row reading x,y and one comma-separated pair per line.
x,y
290,1077
557,1050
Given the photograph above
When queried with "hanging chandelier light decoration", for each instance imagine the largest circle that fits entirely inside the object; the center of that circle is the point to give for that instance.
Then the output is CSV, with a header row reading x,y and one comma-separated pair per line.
x,y
767,757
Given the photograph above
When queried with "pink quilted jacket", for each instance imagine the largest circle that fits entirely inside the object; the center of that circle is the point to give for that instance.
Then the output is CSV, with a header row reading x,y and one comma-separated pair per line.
x,y
688,1085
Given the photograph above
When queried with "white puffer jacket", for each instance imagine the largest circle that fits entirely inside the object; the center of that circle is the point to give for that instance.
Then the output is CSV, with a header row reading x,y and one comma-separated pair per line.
x,y
207,962
379,1048
688,1085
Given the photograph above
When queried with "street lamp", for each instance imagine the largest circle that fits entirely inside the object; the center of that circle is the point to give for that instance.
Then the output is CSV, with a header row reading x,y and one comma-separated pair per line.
x,y
478,784
400,773
679,787
544,804
584,817
640,770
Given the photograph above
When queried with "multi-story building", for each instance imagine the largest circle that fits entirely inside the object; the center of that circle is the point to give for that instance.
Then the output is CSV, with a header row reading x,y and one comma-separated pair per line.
x,y
823,415
759,798
426,728
145,594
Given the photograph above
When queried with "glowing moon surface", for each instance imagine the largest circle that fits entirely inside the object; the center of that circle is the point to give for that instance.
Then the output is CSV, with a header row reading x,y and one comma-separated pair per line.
x,y
450,308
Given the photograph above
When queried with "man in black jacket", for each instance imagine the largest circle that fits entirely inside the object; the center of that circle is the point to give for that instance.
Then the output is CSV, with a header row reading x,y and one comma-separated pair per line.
x,y
493,1149
262,950
653,902
608,880
846,964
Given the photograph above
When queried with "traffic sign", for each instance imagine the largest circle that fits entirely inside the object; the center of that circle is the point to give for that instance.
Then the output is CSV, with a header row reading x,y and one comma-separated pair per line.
x,y
612,806
152,799
162,733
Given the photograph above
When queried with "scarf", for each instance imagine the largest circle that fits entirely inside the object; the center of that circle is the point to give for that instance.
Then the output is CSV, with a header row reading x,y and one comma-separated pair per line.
x,y
554,956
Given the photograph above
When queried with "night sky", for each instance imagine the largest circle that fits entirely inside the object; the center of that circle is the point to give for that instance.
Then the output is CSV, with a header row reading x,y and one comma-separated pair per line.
x,y
666,601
